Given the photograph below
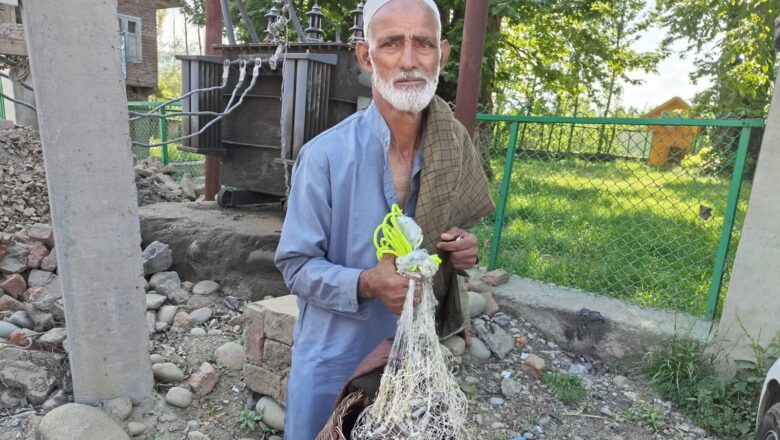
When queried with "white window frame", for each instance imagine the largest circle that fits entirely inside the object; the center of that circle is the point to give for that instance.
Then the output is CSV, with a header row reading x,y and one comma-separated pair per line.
x,y
132,39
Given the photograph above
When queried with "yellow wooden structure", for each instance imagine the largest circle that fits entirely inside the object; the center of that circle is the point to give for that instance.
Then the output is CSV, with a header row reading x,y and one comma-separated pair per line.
x,y
669,144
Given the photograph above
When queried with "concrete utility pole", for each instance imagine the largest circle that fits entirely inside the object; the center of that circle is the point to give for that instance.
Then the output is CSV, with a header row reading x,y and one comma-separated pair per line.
x,y
470,72
73,48
754,288
213,36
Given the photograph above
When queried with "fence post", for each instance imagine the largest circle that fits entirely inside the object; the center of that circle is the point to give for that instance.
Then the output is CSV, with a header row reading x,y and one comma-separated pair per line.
x,y
505,182
728,224
164,135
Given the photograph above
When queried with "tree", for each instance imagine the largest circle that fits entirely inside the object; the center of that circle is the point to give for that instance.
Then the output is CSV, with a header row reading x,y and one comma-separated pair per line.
x,y
734,47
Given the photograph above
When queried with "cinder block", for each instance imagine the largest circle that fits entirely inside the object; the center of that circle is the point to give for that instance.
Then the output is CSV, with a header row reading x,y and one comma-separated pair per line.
x,y
264,381
254,336
280,316
277,356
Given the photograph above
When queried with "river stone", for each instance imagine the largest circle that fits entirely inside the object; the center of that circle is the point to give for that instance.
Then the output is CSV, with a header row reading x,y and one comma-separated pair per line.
x,y
206,287
82,422
201,315
161,278
166,314
456,345
135,428
479,350
20,318
179,397
511,388
154,301
167,372
121,407
6,328
231,356
157,257
197,435
477,304
273,414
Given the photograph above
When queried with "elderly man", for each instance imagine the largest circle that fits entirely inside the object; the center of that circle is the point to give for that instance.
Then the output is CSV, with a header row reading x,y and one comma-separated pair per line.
x,y
405,148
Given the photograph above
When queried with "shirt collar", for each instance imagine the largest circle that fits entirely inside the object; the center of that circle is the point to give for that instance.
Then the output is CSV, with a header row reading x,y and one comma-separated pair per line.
x,y
378,126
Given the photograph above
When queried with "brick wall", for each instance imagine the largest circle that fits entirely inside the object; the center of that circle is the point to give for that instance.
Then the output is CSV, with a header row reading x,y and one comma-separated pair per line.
x,y
142,77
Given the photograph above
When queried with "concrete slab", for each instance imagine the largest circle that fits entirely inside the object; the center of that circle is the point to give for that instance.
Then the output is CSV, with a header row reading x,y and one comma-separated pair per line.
x,y
233,247
589,324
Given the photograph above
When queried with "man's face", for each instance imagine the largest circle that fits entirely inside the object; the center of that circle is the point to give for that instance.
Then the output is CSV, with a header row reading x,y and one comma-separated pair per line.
x,y
404,54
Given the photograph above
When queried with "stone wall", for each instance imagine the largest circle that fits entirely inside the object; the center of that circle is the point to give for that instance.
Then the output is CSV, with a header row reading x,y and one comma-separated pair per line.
x,y
268,345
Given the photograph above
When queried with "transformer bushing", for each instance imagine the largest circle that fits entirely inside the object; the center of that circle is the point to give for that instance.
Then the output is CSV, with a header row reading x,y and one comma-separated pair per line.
x,y
357,28
314,32
271,16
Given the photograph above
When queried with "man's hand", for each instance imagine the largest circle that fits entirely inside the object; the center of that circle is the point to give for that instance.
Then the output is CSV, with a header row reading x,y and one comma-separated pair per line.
x,y
462,246
384,283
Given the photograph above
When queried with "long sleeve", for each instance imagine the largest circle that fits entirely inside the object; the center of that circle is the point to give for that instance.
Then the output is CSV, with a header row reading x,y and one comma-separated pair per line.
x,y
303,248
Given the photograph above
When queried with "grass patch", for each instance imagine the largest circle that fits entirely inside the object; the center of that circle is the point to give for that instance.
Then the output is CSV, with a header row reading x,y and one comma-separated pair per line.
x,y
646,414
568,388
684,372
620,228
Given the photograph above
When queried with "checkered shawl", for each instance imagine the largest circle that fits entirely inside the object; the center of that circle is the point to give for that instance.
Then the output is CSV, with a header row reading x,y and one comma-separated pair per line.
x,y
453,192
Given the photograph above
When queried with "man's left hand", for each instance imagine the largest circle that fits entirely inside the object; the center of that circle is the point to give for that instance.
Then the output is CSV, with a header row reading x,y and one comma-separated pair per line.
x,y
462,246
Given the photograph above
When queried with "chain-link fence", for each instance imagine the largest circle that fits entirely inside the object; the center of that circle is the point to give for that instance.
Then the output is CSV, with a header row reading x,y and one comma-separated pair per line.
x,y
154,130
645,210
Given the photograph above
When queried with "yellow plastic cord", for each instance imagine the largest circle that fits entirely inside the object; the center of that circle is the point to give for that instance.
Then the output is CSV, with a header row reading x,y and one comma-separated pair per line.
x,y
392,240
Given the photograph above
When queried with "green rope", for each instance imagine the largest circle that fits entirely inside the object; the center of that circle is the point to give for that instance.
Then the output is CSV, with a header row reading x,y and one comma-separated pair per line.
x,y
392,240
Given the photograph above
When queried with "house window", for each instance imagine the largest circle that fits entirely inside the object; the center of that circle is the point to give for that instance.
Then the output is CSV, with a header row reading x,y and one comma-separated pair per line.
x,y
131,27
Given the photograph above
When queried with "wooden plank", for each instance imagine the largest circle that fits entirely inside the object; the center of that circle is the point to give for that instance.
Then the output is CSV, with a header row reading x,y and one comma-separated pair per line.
x,y
12,46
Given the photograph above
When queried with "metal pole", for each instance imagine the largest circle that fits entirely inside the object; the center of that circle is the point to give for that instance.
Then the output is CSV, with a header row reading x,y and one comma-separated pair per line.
x,y
505,183
248,22
231,34
213,37
728,224
470,72
164,135
94,206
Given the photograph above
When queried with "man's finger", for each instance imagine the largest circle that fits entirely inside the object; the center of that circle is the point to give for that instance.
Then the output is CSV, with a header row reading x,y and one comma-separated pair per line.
x,y
452,234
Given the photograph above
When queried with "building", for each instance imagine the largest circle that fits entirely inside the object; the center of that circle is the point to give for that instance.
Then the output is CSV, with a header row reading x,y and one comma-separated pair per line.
x,y
138,35
670,144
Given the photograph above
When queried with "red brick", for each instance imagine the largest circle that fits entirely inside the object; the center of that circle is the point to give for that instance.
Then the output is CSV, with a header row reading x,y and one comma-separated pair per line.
x,y
38,251
19,338
42,233
2,251
8,303
204,380
14,285
495,277
253,335
49,262
276,355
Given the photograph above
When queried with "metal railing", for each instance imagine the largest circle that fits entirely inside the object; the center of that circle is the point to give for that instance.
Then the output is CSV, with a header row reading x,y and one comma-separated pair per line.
x,y
153,130
645,210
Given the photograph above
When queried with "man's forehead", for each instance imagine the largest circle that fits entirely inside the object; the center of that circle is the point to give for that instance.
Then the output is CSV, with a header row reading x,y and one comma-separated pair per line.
x,y
417,13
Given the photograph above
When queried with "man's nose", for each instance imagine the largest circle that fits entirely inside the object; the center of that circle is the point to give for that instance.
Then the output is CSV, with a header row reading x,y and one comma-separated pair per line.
x,y
409,59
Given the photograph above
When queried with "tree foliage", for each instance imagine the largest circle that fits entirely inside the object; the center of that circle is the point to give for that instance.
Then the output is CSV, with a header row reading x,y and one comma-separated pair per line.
x,y
733,42
541,56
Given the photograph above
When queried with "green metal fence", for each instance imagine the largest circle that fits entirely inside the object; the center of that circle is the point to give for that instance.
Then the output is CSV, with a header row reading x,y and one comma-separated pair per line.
x,y
644,210
154,130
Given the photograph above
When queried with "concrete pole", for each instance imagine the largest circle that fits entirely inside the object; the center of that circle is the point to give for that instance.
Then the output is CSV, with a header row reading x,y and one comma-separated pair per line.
x,y
82,110
754,288
213,37
470,72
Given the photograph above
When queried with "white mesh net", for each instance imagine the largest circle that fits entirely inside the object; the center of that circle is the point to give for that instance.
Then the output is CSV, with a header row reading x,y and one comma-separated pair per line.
x,y
418,396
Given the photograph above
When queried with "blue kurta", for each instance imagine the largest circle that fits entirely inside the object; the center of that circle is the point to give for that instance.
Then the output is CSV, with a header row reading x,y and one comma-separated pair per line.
x,y
342,187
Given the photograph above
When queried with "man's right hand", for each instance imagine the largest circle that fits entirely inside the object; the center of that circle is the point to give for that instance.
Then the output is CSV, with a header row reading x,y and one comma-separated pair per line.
x,y
384,283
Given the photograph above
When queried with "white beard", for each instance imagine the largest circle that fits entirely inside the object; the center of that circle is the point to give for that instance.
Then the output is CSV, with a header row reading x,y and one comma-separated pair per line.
x,y
407,99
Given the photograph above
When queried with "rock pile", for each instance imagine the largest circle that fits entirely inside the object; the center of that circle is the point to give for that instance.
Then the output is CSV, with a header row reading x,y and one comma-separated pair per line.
x,y
23,193
24,196
32,360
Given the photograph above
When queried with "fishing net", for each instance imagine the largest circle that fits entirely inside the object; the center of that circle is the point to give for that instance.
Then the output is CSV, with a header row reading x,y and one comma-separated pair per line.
x,y
418,396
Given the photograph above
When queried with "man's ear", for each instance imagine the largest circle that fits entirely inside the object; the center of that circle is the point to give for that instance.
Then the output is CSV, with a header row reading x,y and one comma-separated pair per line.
x,y
361,50
445,52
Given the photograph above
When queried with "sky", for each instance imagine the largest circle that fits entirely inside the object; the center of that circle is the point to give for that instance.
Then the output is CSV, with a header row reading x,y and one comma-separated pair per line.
x,y
672,79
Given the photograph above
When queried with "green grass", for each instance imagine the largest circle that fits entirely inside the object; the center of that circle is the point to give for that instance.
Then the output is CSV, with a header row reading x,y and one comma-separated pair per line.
x,y
621,229
568,388
649,415
684,372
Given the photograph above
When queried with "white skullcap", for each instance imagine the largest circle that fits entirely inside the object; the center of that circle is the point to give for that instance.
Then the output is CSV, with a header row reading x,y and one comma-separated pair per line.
x,y
372,6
